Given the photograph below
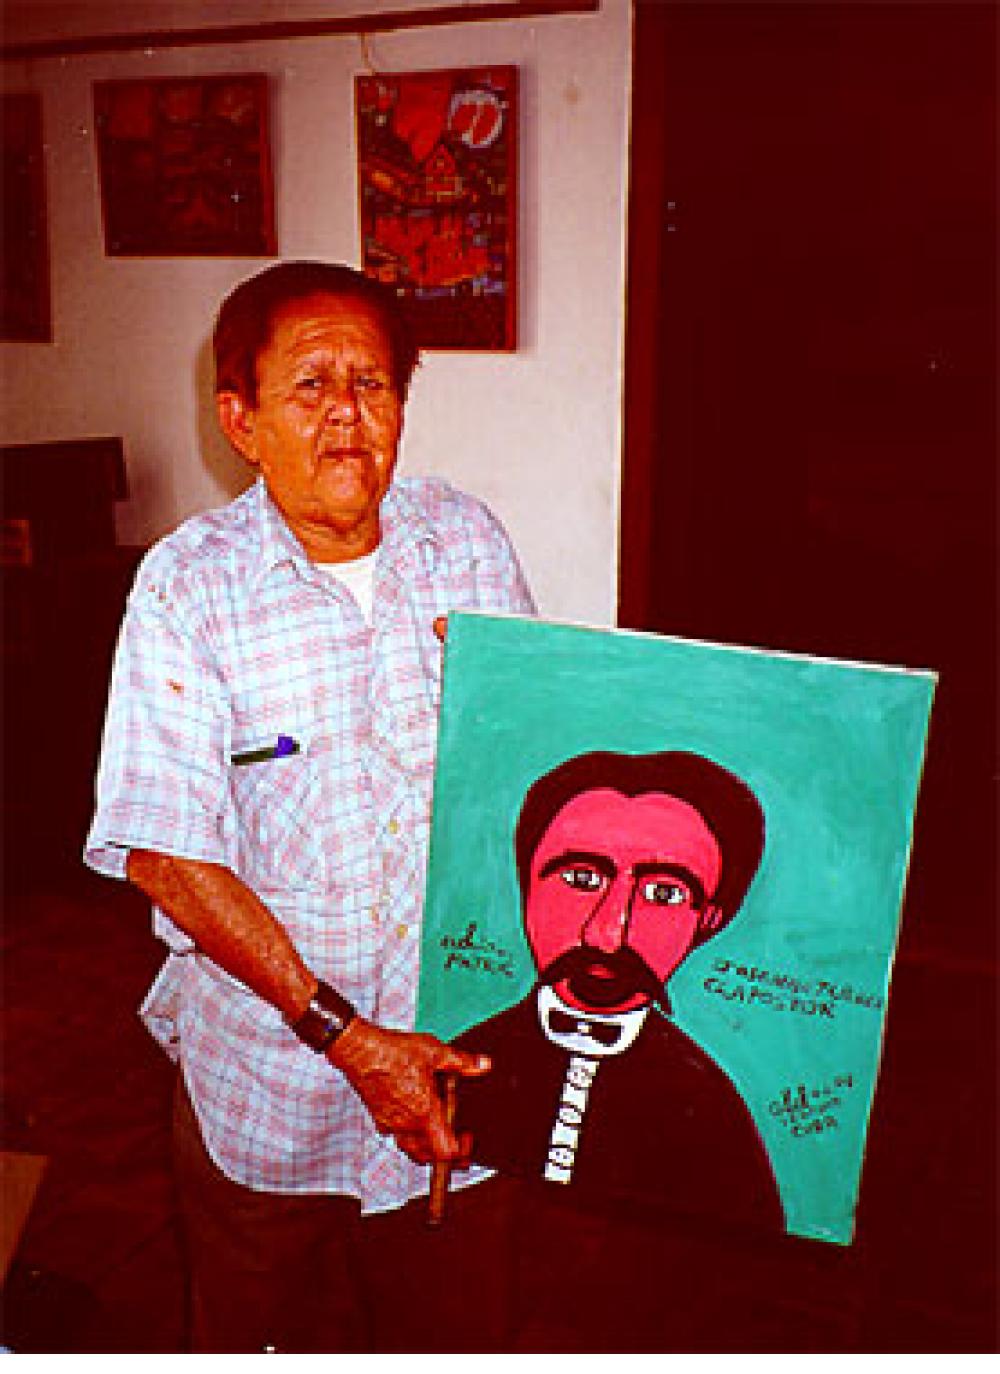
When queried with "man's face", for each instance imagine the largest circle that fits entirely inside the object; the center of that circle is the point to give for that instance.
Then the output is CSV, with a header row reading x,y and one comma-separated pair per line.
x,y
618,889
325,428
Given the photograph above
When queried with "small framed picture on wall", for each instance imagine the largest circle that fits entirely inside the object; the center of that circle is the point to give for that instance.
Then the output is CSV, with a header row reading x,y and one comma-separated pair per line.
x,y
185,166
437,174
25,311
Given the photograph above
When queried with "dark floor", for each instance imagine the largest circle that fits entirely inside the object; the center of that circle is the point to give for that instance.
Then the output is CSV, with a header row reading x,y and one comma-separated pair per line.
x,y
99,1270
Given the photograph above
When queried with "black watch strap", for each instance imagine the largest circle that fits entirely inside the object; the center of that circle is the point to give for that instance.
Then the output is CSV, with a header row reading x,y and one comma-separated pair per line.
x,y
327,1016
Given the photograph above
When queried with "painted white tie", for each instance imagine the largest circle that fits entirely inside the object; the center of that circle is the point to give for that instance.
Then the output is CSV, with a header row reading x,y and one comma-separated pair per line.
x,y
580,1075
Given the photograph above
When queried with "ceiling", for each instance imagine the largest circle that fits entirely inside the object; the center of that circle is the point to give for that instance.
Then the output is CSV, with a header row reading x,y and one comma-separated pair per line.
x,y
27,21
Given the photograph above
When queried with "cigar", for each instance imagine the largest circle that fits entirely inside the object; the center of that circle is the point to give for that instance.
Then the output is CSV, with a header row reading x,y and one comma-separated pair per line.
x,y
441,1170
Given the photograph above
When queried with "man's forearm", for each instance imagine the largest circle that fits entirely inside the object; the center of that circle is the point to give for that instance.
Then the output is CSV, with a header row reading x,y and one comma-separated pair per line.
x,y
229,923
395,1073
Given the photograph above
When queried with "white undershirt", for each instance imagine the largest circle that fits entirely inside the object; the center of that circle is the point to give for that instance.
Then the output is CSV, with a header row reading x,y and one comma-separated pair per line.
x,y
357,575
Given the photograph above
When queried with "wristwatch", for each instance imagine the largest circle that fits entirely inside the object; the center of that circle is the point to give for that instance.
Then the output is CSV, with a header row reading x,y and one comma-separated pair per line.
x,y
327,1016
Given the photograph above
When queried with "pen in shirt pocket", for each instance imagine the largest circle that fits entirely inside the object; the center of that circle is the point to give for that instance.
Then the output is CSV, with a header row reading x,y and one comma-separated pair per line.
x,y
283,748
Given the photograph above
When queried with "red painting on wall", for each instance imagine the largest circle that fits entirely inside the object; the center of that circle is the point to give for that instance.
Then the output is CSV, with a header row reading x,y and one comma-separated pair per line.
x,y
437,174
185,166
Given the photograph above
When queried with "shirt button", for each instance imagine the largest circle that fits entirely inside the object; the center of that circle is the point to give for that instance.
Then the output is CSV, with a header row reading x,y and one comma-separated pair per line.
x,y
393,827
374,914
402,931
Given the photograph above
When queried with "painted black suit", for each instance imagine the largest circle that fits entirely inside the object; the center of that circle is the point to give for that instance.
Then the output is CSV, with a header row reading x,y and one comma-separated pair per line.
x,y
663,1123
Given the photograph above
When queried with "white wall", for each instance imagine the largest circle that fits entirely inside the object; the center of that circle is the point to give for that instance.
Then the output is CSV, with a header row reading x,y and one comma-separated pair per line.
x,y
536,433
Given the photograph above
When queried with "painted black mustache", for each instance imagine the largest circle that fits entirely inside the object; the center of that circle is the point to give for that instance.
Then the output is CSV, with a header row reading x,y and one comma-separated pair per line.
x,y
598,979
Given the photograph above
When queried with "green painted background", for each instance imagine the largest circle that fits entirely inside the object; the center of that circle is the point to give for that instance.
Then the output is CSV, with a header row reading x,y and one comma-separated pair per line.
x,y
834,753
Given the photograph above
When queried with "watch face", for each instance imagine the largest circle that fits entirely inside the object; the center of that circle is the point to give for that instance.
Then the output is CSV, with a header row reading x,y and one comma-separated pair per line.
x,y
331,1021
327,1015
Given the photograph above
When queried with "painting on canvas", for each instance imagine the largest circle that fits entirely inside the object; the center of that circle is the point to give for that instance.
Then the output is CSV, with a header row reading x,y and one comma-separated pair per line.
x,y
664,895
437,177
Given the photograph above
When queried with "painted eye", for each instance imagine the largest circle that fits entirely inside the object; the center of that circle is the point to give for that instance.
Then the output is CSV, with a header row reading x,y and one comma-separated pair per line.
x,y
583,879
660,893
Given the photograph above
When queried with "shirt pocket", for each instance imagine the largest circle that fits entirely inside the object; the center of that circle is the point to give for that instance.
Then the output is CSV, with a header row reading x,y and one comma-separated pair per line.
x,y
276,799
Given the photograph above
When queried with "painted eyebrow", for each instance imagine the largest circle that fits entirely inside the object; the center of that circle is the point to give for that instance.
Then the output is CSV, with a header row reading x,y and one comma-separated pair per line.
x,y
584,857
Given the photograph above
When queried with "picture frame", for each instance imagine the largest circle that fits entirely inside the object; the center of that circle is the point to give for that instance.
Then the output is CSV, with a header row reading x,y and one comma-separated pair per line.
x,y
437,186
25,299
185,166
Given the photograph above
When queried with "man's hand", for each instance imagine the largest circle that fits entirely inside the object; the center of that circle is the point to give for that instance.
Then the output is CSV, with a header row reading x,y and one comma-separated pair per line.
x,y
395,1075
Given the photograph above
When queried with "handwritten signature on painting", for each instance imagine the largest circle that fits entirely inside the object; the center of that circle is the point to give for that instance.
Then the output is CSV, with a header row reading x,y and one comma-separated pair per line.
x,y
808,1111
470,950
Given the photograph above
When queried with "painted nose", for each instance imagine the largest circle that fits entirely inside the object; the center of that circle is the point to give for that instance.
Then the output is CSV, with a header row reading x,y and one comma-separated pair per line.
x,y
607,920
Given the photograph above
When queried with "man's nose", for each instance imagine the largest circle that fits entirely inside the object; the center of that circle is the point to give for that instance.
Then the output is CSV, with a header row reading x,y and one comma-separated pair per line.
x,y
342,401
607,922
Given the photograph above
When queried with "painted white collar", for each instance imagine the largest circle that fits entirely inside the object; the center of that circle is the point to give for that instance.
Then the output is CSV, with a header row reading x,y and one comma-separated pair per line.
x,y
594,1034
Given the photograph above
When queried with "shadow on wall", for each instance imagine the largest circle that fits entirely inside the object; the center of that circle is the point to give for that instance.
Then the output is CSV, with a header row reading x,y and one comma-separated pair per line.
x,y
228,470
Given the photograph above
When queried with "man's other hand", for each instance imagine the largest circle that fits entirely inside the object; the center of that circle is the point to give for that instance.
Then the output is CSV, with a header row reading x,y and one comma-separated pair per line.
x,y
395,1075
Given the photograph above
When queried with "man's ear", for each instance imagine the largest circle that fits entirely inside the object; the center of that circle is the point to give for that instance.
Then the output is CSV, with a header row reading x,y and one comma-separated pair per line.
x,y
236,420
711,919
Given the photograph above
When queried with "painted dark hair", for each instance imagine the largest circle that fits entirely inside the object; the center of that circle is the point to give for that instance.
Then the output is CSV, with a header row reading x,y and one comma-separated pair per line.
x,y
246,318
728,807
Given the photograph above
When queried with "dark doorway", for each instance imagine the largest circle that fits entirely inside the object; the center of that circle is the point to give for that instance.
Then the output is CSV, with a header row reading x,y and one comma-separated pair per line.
x,y
811,381
810,465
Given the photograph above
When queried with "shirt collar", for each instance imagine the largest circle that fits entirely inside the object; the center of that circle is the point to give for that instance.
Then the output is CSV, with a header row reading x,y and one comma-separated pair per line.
x,y
277,542
406,530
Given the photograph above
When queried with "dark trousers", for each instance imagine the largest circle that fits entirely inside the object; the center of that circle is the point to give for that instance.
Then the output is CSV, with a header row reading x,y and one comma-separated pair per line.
x,y
516,1267
307,1274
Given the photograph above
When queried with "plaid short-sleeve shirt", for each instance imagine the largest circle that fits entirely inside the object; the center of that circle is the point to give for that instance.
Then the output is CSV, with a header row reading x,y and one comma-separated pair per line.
x,y
257,721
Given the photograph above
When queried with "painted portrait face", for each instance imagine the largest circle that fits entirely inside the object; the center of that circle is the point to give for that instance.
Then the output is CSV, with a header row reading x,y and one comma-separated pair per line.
x,y
325,429
619,888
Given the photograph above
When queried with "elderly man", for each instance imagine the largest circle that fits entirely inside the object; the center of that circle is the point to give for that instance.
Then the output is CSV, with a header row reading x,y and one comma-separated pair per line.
x,y
266,779
626,863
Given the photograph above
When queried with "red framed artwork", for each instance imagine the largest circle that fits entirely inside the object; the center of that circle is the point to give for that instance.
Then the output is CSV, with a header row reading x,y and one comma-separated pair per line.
x,y
437,180
185,166
25,307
